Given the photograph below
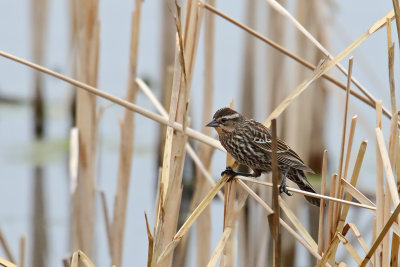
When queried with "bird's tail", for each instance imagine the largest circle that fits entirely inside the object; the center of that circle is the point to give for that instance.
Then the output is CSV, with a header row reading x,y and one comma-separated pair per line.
x,y
300,179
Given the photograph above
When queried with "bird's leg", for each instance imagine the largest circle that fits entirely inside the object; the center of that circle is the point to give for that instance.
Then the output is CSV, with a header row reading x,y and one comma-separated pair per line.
x,y
232,173
282,187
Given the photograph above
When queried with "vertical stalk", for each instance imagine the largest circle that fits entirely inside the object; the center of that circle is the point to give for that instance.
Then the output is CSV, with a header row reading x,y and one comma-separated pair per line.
x,y
88,28
39,250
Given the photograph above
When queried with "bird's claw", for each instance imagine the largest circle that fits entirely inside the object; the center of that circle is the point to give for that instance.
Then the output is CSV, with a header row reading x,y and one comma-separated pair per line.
x,y
229,171
282,188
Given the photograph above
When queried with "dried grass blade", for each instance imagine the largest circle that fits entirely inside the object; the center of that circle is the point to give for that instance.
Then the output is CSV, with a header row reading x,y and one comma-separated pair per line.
x,y
282,222
376,26
126,146
329,226
106,219
391,64
6,247
357,234
353,192
276,233
192,218
151,242
349,248
306,193
381,235
337,207
297,224
385,242
322,206
22,251
221,244
329,251
289,54
6,263
379,181
80,256
387,167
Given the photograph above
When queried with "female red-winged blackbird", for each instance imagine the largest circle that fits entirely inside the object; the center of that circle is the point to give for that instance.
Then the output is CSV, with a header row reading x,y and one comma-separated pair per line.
x,y
249,143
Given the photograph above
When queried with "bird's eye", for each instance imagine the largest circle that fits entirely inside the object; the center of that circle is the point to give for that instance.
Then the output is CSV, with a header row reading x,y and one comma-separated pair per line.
x,y
223,120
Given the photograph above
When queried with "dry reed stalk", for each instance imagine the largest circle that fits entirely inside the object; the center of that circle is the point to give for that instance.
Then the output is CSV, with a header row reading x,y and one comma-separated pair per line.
x,y
126,146
322,204
330,249
390,47
38,24
275,70
350,248
6,263
22,252
329,219
189,148
287,53
353,227
282,222
387,167
203,226
371,30
350,144
336,207
297,224
393,141
135,108
396,8
386,239
221,245
6,247
376,26
353,182
348,152
174,152
84,195
354,193
381,235
171,172
393,156
306,193
106,220
194,215
247,87
151,242
274,223
228,256
379,181
82,257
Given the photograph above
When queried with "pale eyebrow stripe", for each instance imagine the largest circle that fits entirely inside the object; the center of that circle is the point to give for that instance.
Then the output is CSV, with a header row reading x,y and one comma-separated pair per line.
x,y
232,116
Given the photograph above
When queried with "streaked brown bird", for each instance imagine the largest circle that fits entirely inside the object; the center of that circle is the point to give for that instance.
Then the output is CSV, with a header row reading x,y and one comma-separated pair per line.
x,y
250,143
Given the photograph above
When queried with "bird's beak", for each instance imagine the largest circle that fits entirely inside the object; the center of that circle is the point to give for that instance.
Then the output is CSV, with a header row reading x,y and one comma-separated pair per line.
x,y
212,123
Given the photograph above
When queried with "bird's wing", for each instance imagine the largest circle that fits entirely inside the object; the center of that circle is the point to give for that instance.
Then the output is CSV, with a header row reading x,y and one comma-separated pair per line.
x,y
286,155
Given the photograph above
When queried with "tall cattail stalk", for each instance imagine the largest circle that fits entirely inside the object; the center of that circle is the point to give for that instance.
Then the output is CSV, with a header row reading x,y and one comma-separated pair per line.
x,y
126,147
88,28
40,248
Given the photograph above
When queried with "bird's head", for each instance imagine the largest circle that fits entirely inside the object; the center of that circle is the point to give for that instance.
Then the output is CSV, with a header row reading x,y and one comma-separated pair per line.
x,y
225,120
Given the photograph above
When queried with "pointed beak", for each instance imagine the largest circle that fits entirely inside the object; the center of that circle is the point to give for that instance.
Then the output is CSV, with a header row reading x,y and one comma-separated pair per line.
x,y
212,123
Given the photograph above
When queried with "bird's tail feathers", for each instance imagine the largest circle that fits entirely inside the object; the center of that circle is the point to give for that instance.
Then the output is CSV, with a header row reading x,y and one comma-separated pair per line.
x,y
300,179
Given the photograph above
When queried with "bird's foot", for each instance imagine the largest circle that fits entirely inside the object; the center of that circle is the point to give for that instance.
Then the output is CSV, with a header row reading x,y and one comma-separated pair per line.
x,y
282,188
229,171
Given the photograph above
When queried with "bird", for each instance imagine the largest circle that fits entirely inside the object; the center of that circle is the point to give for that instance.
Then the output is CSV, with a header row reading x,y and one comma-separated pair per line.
x,y
250,143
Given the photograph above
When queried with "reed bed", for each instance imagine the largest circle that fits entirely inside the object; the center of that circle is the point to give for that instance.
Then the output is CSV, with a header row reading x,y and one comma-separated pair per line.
x,y
260,228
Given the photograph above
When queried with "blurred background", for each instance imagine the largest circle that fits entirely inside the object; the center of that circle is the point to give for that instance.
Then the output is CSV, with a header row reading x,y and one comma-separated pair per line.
x,y
37,111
